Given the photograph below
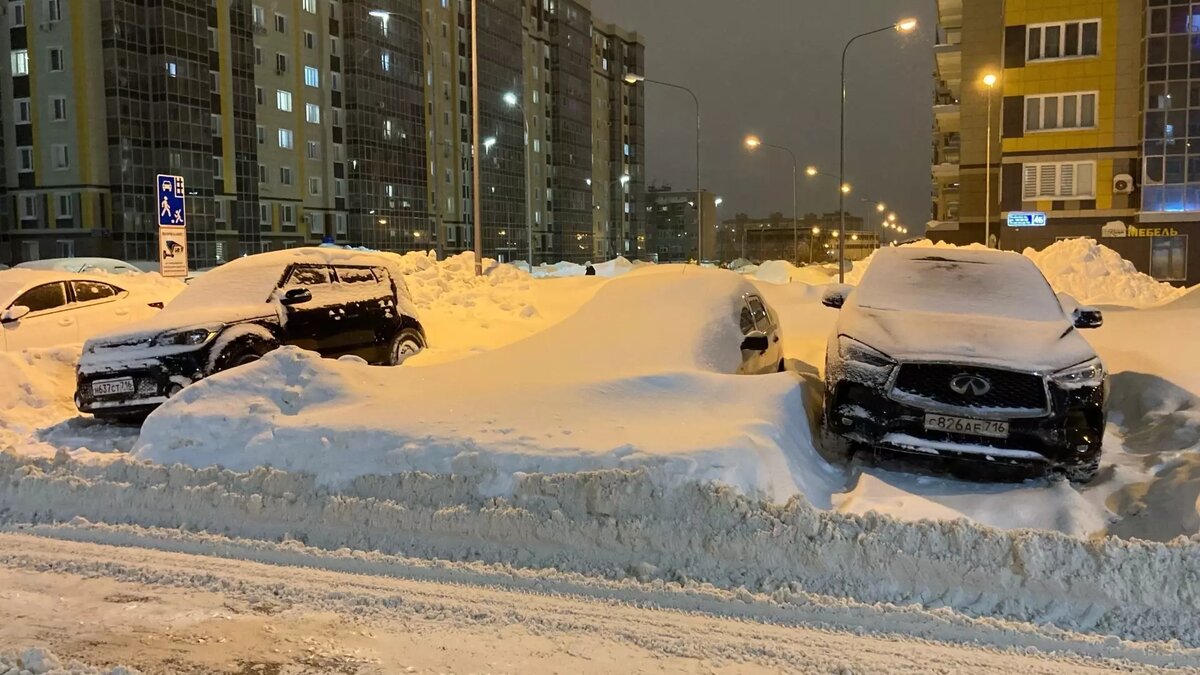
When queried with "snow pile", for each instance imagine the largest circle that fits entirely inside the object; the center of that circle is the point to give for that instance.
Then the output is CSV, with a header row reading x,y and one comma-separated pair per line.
x,y
465,314
783,272
1097,275
612,268
641,377
1088,271
37,391
618,524
40,661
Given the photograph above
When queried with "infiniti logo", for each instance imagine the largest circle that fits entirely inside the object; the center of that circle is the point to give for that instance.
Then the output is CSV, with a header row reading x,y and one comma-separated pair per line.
x,y
974,385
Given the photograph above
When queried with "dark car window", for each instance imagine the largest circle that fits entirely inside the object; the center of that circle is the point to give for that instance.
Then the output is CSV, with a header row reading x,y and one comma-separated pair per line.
x,y
44,297
747,320
355,275
761,319
90,291
307,276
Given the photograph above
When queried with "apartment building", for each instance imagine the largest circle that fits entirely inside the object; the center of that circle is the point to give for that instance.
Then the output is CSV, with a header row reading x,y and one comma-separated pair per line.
x,y
1090,125
300,121
672,225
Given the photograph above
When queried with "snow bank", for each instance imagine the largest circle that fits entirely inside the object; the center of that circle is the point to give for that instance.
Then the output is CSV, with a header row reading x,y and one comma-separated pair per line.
x,y
1088,271
641,376
40,661
37,391
617,523
783,272
612,268
1097,275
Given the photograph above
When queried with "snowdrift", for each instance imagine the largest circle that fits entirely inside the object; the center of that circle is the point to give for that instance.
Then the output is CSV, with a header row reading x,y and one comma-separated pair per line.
x,y
783,272
618,524
641,377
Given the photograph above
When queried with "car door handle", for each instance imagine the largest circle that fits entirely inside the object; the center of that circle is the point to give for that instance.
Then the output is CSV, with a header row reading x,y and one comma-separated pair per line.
x,y
65,322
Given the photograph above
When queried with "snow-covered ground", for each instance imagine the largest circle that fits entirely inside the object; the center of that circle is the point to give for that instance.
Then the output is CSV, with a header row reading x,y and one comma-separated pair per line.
x,y
628,387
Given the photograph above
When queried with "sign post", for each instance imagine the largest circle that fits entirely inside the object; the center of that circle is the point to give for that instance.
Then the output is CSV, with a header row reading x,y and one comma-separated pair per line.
x,y
172,226
1026,219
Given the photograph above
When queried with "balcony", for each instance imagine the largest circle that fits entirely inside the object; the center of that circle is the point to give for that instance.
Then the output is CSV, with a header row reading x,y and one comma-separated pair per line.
x,y
950,12
949,64
947,117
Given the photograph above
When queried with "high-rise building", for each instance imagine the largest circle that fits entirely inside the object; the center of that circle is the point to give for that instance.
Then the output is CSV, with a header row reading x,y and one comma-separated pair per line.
x,y
672,225
298,121
1089,126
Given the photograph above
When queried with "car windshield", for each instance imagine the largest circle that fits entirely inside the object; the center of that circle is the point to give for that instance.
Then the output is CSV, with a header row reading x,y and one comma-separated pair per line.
x,y
997,285
239,283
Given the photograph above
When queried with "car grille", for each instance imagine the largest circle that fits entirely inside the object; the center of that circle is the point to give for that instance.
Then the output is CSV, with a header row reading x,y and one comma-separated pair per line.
x,y
934,382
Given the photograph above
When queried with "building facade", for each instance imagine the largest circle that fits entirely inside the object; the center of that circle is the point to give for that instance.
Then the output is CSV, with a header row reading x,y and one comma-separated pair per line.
x,y
813,239
672,225
300,121
1090,125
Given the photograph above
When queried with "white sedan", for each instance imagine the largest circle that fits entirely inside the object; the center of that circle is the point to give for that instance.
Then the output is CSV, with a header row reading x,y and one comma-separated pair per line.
x,y
46,308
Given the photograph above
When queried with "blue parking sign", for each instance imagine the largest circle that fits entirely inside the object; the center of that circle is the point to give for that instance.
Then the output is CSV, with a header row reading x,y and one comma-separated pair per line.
x,y
171,201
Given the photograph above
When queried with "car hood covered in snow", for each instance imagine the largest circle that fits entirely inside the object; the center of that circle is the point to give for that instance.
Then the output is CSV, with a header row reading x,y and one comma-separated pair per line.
x,y
986,307
1041,346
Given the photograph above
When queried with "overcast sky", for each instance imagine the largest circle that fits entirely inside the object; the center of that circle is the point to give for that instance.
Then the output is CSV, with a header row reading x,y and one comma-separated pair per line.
x,y
771,67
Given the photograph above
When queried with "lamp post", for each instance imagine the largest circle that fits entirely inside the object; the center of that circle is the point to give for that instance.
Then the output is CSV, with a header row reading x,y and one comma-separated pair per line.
x,y
903,26
753,143
634,78
812,244
513,102
989,81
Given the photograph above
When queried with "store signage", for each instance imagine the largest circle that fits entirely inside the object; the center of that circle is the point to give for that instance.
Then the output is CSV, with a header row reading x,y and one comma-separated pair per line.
x,y
1114,230
1152,231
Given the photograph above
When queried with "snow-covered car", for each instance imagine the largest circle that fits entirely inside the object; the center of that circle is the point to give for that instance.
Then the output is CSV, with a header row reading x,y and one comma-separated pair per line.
x,y
967,358
83,265
336,303
48,308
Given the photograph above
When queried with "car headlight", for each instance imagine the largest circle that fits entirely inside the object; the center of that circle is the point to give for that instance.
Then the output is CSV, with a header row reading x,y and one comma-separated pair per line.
x,y
1087,374
191,337
852,350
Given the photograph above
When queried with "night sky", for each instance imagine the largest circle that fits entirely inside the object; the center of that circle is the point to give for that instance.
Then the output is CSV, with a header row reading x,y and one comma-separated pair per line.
x,y
771,67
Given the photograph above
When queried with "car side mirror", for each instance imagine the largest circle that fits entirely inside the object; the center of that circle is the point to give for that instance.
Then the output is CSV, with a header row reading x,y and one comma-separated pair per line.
x,y
756,342
296,296
1088,317
835,297
14,313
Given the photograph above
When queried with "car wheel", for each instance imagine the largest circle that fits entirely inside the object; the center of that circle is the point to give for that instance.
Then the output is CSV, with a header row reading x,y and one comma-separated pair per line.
x,y
241,353
1082,474
404,345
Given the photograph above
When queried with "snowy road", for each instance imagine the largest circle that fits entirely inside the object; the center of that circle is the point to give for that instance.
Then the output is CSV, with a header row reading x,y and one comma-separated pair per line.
x,y
161,611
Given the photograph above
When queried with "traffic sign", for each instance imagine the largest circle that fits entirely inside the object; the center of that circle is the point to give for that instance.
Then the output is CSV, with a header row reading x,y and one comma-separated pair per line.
x,y
172,252
172,207
1026,219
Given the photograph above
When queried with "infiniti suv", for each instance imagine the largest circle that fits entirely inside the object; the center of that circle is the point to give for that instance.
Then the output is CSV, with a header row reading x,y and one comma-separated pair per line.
x,y
967,358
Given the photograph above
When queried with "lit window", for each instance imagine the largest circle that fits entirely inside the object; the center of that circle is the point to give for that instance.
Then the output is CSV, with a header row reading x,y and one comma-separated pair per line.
x,y
286,139
312,113
20,62
283,100
312,76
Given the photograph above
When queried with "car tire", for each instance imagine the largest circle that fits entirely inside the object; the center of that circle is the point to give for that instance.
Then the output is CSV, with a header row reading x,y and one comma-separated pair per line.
x,y
1082,474
404,345
241,353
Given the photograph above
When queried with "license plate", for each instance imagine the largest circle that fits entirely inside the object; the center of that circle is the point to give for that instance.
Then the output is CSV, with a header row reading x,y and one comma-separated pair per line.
x,y
970,427
113,387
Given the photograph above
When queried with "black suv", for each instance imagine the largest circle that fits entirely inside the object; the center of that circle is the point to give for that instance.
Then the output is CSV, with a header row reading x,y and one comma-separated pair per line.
x,y
967,359
330,301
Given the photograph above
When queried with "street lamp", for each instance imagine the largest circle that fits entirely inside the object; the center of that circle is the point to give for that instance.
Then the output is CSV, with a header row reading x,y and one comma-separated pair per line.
x,y
902,26
881,207
753,143
812,243
811,171
989,81
511,100
633,79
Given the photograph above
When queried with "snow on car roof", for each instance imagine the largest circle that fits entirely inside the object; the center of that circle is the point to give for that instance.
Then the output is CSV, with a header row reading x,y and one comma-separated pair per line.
x,y
990,283
83,265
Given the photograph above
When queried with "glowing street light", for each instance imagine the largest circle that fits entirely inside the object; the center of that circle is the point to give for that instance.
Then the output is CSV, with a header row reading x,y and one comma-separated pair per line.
x,y
846,188
811,171
881,207
753,143
906,25
891,217
816,231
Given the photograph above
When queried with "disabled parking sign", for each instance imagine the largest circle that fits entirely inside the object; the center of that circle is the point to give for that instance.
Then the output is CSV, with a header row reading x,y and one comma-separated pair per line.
x,y
172,211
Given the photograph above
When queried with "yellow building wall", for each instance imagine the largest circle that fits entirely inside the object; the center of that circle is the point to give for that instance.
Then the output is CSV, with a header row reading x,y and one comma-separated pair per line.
x,y
1098,74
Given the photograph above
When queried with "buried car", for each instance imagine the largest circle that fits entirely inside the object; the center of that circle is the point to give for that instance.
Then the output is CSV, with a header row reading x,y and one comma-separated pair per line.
x,y
48,308
330,301
964,357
